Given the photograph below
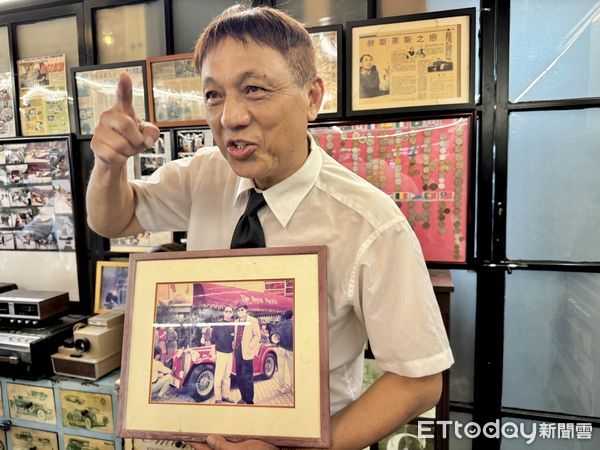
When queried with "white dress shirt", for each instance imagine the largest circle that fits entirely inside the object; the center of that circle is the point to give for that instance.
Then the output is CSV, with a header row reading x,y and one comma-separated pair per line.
x,y
378,284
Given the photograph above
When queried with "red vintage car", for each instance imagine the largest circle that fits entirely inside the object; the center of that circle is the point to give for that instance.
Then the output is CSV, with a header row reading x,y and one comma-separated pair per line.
x,y
199,372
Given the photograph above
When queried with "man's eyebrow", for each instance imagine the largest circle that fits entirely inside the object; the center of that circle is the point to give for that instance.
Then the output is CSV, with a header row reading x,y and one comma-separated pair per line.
x,y
241,78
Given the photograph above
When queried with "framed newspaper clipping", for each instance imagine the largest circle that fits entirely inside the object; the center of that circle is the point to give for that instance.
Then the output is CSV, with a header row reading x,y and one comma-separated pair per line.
x,y
423,61
327,41
265,309
176,91
95,92
43,96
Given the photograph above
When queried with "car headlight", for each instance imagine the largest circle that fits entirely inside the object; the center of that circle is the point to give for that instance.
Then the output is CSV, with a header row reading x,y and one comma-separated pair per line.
x,y
275,338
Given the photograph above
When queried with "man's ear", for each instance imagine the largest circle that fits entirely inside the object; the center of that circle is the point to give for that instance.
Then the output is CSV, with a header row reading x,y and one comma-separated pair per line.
x,y
315,97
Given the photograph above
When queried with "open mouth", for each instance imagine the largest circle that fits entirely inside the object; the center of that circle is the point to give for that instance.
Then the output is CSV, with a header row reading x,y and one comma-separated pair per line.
x,y
239,149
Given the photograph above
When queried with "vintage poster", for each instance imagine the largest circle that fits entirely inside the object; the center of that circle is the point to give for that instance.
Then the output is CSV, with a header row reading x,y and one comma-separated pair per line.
x,y
176,91
29,438
406,64
43,96
422,165
96,92
7,107
72,442
326,47
31,403
36,206
87,410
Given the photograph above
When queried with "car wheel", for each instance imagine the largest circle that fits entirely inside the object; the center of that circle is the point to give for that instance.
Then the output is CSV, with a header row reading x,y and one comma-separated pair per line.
x,y
202,379
269,366
41,415
87,423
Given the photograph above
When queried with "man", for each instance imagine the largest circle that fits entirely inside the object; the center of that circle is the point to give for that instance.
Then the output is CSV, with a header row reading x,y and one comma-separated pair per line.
x,y
161,377
261,90
284,331
222,336
246,344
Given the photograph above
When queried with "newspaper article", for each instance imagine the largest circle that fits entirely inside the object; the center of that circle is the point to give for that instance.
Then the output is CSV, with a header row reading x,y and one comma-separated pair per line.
x,y
96,92
7,110
43,96
396,66
177,91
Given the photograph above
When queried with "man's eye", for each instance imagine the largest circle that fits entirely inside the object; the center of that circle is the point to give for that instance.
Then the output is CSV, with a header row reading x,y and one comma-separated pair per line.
x,y
253,89
211,95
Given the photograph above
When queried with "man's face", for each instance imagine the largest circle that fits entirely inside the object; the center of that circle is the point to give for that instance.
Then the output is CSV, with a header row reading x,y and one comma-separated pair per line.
x,y
257,112
228,314
367,62
241,313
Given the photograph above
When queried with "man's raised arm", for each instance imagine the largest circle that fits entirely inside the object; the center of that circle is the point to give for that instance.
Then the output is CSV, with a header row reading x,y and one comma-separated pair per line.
x,y
120,134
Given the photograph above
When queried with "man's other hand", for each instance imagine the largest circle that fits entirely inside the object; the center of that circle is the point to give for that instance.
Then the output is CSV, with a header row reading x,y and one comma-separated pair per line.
x,y
120,134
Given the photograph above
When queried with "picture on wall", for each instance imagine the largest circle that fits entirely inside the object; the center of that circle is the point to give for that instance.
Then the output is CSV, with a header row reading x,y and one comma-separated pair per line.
x,y
188,142
36,204
43,96
176,91
210,343
95,91
411,61
423,165
328,48
7,106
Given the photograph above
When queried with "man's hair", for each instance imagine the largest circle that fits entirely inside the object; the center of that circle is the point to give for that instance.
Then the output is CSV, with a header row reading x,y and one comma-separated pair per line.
x,y
242,305
266,26
366,55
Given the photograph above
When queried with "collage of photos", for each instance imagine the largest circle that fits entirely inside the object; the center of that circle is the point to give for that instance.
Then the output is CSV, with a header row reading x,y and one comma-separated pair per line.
x,y
36,206
190,141
228,343
7,109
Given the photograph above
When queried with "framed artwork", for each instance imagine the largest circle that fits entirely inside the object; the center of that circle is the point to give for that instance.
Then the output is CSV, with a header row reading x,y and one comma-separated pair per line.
x,y
111,286
190,141
43,96
36,202
411,62
425,167
176,91
24,438
255,304
328,46
7,106
95,92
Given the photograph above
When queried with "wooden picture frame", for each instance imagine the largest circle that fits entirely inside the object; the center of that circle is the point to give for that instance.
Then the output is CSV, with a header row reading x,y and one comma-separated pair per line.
x,y
414,62
175,91
327,41
111,286
175,297
94,89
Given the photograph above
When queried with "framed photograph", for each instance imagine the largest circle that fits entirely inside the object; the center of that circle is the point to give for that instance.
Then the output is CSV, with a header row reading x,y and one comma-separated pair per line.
x,y
411,62
176,91
111,285
95,92
328,46
190,141
425,166
212,339
43,96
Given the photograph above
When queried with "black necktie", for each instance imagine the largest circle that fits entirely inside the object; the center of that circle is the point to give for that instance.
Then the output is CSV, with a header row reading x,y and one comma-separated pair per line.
x,y
248,231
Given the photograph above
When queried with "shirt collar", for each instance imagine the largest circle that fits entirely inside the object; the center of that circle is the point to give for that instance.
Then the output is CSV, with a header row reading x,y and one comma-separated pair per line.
x,y
285,197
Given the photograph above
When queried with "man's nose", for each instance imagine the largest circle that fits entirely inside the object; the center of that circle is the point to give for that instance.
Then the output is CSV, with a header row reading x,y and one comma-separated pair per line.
x,y
235,113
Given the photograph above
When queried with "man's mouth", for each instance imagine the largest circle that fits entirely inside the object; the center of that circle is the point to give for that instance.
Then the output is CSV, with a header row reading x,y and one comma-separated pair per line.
x,y
239,149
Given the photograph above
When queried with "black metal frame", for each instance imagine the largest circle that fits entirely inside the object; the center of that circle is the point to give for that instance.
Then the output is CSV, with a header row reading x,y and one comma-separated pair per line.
x,y
340,78
350,26
75,70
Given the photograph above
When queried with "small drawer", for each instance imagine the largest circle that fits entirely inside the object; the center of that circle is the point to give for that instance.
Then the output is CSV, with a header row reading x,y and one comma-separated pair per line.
x,y
87,410
72,442
26,438
32,403
1,406
149,444
3,444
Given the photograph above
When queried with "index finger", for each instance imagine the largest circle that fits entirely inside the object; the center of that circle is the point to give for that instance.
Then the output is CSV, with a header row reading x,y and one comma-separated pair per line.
x,y
125,95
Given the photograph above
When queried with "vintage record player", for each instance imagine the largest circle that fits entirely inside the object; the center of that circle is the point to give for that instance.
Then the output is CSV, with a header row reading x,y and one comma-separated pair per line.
x,y
25,346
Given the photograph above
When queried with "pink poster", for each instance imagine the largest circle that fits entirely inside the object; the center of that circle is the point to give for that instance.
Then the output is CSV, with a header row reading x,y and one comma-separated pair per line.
x,y
423,165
